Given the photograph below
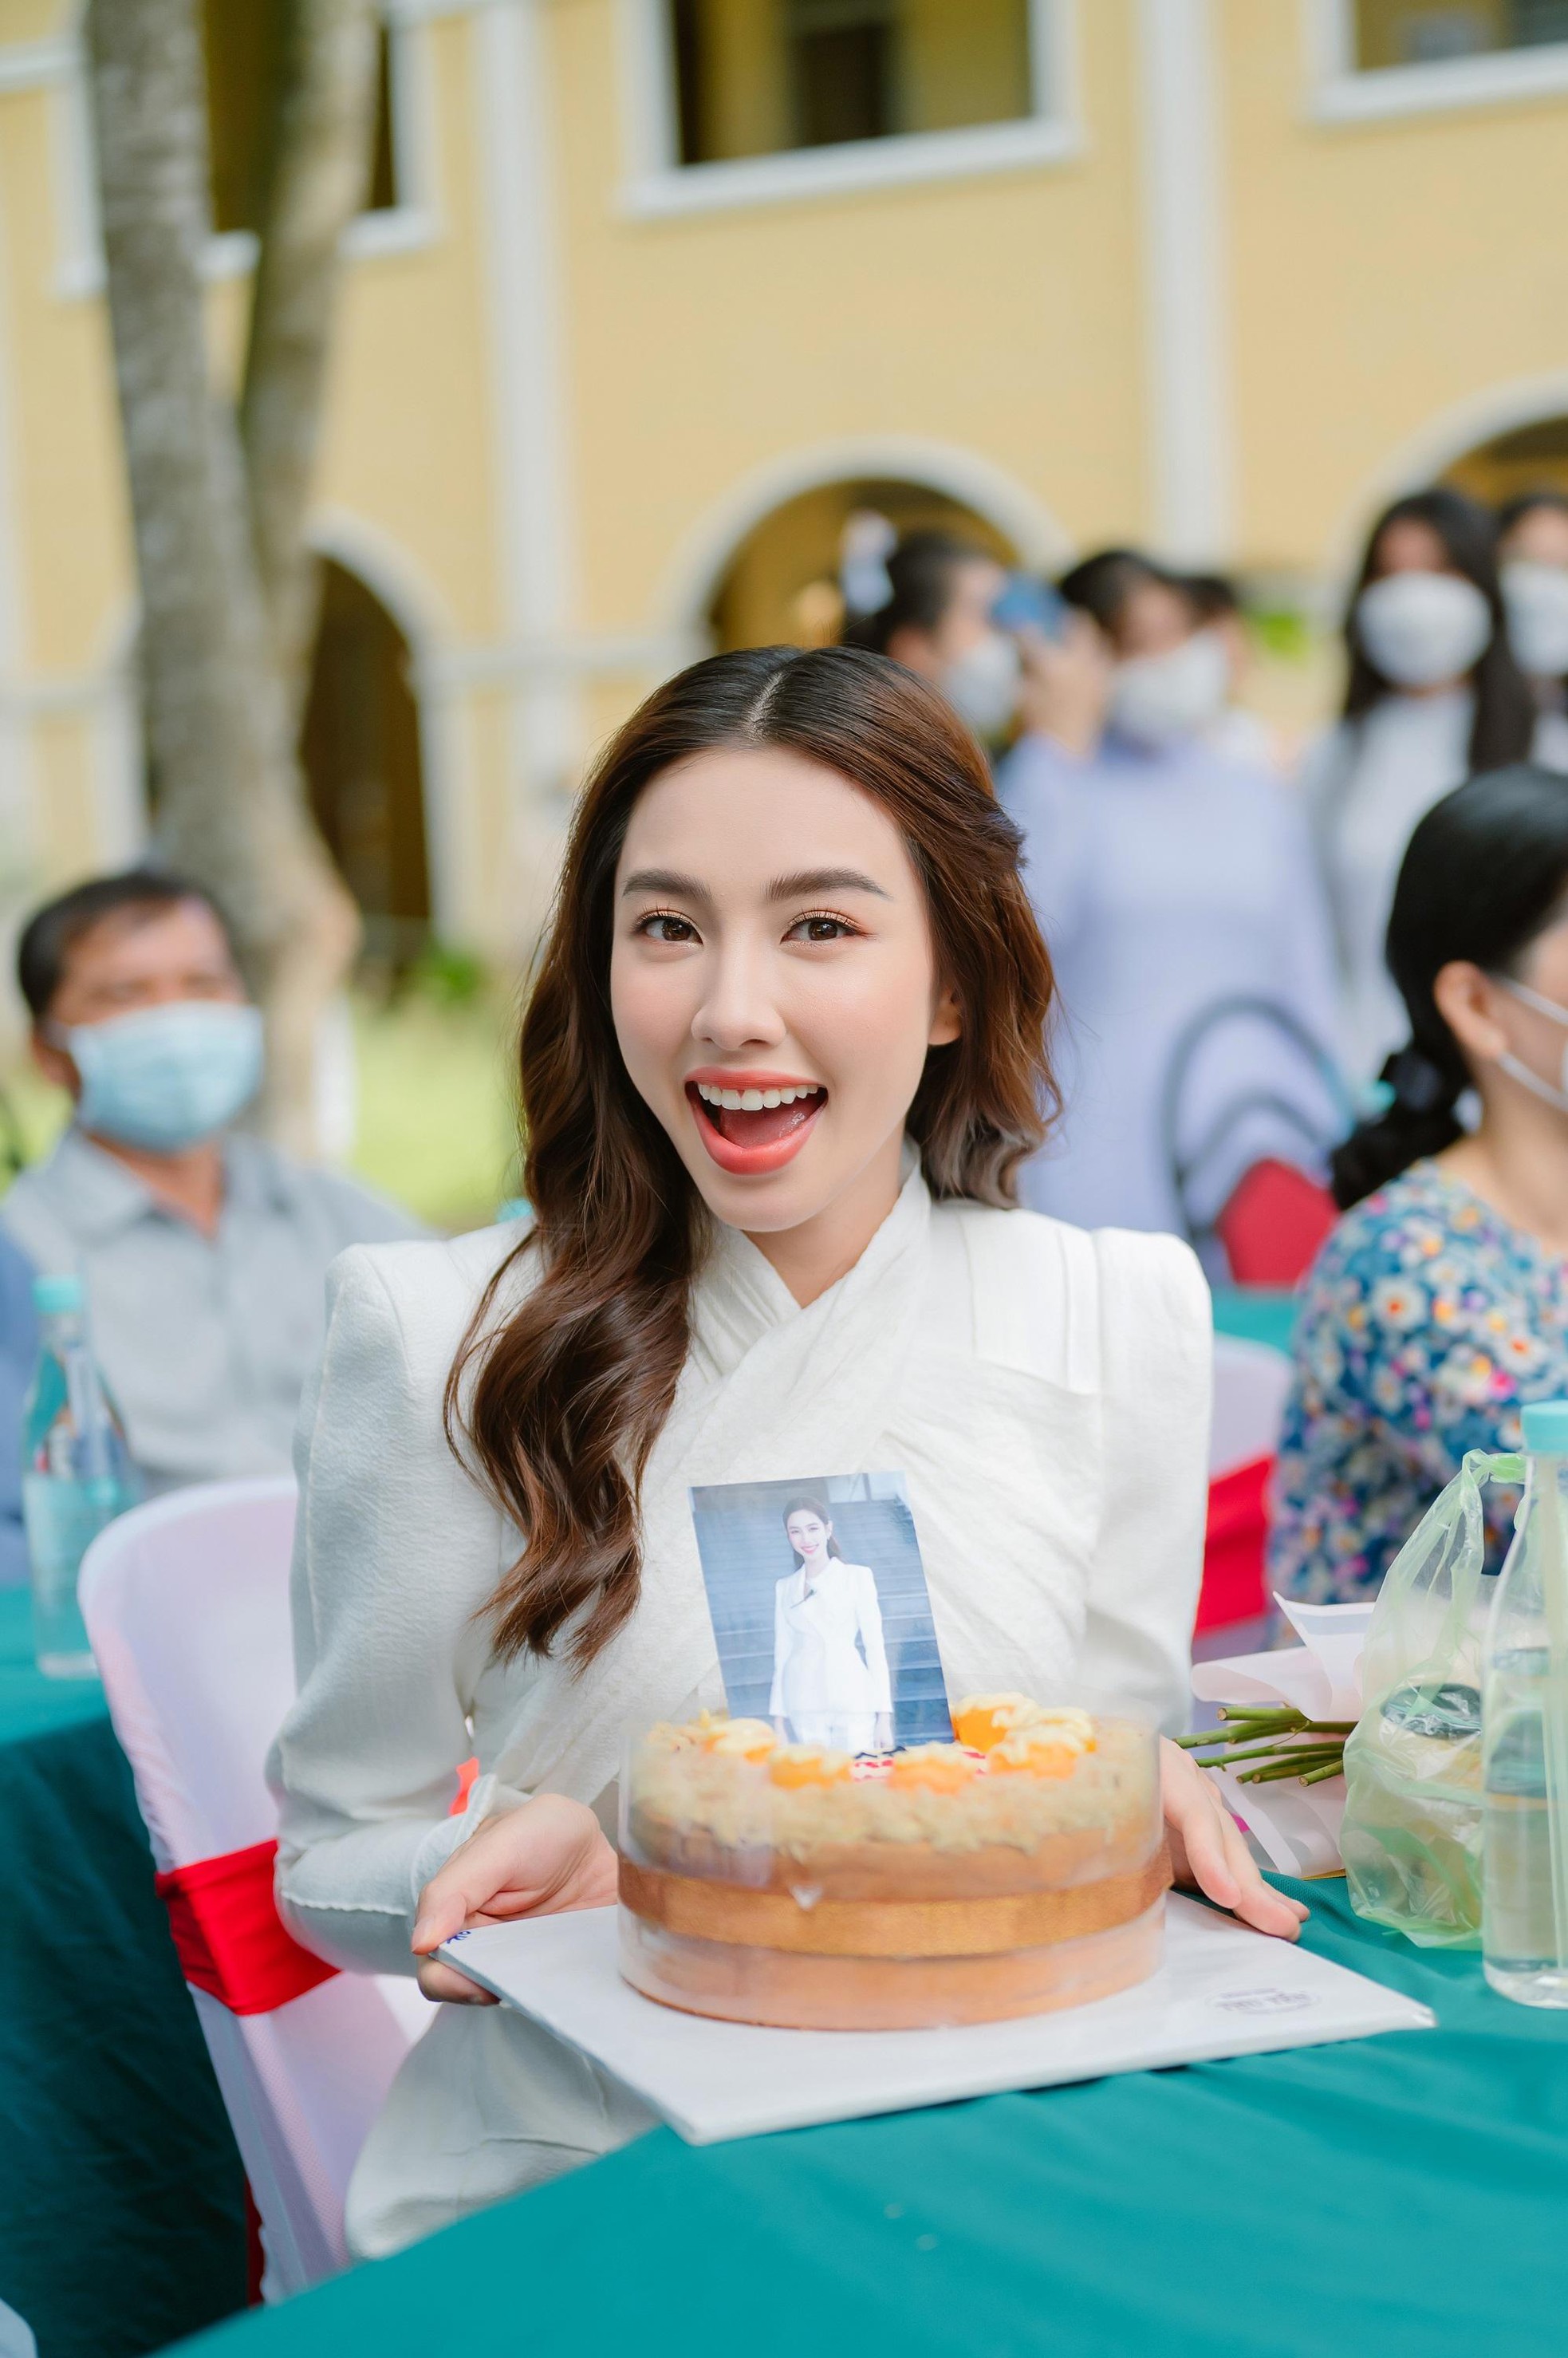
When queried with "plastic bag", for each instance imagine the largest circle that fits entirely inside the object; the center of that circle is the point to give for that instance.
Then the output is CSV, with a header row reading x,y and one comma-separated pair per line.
x,y
1411,1835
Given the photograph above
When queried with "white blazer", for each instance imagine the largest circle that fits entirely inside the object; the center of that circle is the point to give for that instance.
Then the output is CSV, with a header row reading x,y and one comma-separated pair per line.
x,y
818,1666
1044,1392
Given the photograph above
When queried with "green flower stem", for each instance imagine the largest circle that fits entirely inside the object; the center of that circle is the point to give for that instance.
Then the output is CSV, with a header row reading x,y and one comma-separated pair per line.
x,y
1329,1769
1264,1751
1290,1768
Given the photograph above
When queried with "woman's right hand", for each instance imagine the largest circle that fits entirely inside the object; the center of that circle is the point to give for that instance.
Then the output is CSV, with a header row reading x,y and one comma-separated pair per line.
x,y
1066,685
549,1856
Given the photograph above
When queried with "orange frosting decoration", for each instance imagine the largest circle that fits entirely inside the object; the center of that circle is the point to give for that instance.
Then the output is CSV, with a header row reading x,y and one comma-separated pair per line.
x,y
740,1739
795,1765
981,1721
1035,1751
933,1768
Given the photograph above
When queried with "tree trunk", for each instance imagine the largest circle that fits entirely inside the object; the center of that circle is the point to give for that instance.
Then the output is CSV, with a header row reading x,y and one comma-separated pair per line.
x,y
317,181
219,719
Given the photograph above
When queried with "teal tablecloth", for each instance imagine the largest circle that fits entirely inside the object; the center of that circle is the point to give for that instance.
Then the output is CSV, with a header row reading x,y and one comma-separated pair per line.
x,y
1255,1314
122,2221
1396,2198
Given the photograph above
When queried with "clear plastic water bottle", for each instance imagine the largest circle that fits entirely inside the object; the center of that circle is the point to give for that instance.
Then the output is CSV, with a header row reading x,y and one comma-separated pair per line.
x,y
1524,1715
77,1474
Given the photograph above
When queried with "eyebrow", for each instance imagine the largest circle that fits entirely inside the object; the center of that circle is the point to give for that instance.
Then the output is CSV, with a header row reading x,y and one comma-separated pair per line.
x,y
801,886
809,881
664,880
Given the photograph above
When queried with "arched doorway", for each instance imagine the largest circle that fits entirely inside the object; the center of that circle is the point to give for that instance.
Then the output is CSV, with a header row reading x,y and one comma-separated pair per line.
x,y
781,584
360,748
1527,459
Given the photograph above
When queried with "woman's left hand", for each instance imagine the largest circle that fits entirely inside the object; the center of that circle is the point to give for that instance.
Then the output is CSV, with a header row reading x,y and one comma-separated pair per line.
x,y
1209,1850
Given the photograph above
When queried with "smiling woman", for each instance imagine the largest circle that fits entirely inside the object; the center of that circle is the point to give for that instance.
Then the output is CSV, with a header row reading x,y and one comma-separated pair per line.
x,y
785,1053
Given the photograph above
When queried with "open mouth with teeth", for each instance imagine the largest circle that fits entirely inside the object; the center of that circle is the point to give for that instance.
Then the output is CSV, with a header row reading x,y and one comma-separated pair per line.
x,y
754,1125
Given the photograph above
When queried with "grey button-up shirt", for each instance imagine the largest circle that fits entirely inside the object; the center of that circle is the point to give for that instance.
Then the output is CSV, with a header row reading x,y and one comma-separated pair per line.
x,y
205,1342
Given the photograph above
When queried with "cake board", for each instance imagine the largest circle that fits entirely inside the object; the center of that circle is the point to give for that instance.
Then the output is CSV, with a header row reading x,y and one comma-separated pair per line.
x,y
1222,1991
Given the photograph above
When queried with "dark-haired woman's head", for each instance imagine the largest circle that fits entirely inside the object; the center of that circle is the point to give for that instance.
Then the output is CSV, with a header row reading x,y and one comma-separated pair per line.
x,y
940,590
1175,641
937,622
808,1527
1477,940
1427,613
1534,525
1532,553
790,933
1142,607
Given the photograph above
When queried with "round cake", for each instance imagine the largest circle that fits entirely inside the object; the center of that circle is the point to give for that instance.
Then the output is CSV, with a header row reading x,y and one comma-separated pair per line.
x,y
1019,1869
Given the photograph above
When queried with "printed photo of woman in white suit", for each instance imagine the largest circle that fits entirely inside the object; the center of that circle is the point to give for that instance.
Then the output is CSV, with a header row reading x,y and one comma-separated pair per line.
x,y
830,1685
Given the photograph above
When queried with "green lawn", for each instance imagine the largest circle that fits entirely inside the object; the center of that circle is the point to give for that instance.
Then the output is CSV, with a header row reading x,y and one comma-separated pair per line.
x,y
437,1125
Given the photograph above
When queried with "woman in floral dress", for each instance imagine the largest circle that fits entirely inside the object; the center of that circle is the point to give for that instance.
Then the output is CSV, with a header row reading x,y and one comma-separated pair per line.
x,y
1440,1303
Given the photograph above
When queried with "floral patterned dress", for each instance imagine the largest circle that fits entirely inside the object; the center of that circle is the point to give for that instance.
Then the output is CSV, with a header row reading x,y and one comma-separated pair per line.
x,y
1425,1325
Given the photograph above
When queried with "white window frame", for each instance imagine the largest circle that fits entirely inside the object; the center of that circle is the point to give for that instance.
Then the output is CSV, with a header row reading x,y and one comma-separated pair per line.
x,y
658,184
1342,92
413,222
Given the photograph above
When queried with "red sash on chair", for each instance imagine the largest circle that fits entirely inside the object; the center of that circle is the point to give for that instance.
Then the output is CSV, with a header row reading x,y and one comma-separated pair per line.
x,y
231,1941
1234,1587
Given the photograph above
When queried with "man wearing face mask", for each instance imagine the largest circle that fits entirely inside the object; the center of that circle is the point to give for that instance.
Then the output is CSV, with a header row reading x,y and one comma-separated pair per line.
x,y
1171,879
928,603
204,1251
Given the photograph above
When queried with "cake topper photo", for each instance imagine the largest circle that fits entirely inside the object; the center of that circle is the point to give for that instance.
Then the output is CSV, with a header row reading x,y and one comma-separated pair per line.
x,y
820,1609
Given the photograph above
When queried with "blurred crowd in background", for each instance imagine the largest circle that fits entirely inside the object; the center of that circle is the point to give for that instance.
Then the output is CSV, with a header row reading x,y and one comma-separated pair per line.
x,y
1248,1044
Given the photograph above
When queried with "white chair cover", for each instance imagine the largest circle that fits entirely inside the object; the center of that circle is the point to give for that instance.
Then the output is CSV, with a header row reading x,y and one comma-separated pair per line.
x,y
1250,1382
185,1602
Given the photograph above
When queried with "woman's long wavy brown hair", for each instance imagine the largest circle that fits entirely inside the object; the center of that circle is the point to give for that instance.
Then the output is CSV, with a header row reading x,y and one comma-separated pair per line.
x,y
557,1399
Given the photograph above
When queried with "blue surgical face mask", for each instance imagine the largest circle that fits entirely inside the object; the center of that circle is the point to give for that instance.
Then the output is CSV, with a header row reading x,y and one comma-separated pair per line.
x,y
165,1077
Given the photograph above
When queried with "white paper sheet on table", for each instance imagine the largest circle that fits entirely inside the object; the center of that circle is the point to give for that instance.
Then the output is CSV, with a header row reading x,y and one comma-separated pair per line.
x,y
1221,1991
1296,1825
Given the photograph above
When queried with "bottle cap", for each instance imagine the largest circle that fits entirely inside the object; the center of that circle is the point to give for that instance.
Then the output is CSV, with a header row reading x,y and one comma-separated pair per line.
x,y
51,1294
1545,1426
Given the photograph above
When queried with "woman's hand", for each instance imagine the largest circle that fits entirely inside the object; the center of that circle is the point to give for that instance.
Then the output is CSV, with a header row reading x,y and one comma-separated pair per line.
x,y
1066,685
539,1860
1208,1849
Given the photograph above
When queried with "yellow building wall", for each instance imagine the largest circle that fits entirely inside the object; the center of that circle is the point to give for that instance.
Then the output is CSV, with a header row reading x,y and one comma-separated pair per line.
x,y
999,314
67,477
409,429
1382,273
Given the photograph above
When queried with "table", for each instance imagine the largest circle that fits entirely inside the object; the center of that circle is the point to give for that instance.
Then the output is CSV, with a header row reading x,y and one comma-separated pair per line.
x,y
1389,2198
1257,1314
122,2200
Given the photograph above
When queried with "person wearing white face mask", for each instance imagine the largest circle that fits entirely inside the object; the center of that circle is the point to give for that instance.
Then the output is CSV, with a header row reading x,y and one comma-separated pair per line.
x,y
934,612
1439,1305
204,1252
1433,694
1532,566
1172,881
